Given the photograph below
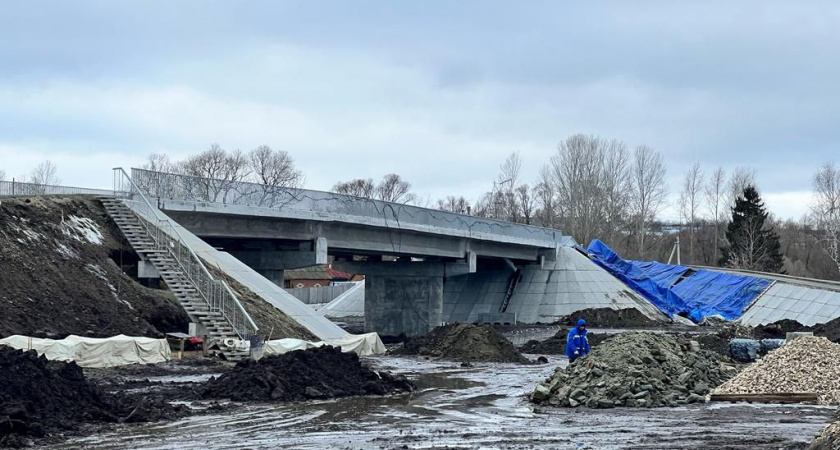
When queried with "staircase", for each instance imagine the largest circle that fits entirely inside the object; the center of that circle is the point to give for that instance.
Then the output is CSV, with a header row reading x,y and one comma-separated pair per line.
x,y
148,242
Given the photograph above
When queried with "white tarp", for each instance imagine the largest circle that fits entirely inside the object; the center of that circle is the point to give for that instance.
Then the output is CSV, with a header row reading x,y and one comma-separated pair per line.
x,y
94,352
361,344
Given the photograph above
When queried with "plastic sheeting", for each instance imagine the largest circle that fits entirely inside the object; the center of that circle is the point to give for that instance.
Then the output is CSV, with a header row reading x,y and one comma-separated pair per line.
x,y
361,344
676,290
94,352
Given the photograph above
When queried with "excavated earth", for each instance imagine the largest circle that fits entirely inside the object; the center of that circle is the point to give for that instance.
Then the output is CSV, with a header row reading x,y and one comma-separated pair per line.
x,y
61,261
317,373
829,437
38,397
464,342
611,318
556,345
778,330
638,369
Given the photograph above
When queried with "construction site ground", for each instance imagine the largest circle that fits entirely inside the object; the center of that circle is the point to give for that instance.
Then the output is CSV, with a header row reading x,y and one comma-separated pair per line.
x,y
483,406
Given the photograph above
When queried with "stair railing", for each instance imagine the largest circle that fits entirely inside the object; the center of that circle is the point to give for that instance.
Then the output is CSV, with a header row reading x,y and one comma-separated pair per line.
x,y
215,292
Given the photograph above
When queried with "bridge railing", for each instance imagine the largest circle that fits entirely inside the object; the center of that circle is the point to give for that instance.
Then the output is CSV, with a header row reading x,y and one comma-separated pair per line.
x,y
394,215
18,188
215,292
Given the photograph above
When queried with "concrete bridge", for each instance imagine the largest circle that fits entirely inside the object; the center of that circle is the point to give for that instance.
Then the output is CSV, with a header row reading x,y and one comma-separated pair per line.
x,y
406,253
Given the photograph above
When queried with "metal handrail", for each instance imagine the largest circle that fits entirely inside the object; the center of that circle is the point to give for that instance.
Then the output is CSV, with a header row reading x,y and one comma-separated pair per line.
x,y
215,292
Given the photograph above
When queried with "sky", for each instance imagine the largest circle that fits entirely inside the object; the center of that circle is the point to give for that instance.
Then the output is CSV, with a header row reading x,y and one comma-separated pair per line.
x,y
439,92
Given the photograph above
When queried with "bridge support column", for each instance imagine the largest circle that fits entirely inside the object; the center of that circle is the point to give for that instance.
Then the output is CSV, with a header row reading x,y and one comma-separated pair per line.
x,y
403,298
271,264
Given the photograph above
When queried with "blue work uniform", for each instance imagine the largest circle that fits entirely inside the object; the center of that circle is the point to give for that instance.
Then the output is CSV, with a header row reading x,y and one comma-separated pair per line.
x,y
576,343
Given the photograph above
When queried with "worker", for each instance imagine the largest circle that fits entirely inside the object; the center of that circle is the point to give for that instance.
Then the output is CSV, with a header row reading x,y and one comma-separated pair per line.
x,y
576,343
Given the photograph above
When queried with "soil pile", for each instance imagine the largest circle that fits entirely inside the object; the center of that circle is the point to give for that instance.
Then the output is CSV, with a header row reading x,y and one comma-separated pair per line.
x,y
464,342
807,364
636,369
60,259
38,396
779,329
268,318
317,373
611,318
556,345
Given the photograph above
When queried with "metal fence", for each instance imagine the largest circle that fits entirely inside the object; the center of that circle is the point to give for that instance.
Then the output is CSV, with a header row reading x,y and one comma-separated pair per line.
x,y
165,186
323,294
17,188
216,293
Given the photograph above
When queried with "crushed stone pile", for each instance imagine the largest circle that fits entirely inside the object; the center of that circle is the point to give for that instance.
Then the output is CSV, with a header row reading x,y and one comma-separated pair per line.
x,y
829,438
464,342
317,373
807,364
556,345
38,396
637,369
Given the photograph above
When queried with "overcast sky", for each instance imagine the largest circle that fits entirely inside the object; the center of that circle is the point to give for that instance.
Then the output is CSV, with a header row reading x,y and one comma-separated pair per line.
x,y
437,91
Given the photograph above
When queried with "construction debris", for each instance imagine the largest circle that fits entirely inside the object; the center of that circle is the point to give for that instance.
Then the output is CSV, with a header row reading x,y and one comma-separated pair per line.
x,y
317,373
808,364
637,369
38,396
464,342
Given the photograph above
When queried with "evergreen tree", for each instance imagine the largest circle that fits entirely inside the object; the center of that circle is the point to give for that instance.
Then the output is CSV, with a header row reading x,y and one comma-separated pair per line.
x,y
752,243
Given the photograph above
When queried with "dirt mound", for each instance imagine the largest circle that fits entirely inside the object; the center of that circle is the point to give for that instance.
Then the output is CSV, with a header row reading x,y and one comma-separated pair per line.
x,y
807,364
268,318
464,342
38,396
779,329
636,369
556,345
318,373
611,318
59,275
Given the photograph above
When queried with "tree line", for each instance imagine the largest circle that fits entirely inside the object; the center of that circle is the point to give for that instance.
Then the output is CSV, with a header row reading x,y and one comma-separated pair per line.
x,y
589,188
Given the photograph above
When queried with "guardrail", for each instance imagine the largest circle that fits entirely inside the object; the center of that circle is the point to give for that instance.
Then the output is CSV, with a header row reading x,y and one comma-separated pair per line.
x,y
18,188
165,186
216,293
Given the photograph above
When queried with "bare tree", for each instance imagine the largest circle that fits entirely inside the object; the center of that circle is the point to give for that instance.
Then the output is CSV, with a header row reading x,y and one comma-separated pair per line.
x,y
715,197
615,180
44,174
274,168
738,181
394,189
576,171
826,209
525,202
363,188
649,190
545,200
690,204
2,175
454,204
158,162
216,172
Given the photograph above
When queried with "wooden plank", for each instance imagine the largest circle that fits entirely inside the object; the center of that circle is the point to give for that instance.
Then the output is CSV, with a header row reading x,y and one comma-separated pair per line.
x,y
791,397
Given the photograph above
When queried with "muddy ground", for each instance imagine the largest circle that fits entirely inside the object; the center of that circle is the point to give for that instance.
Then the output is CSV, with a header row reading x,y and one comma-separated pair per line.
x,y
454,407
61,261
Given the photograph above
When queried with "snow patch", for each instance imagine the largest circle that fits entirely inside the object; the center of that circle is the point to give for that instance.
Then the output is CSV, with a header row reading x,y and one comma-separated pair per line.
x,y
65,251
82,229
100,273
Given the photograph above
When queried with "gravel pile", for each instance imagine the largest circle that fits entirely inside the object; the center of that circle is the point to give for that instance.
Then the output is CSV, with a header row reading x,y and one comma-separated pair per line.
x,y
828,439
464,342
807,364
317,373
636,369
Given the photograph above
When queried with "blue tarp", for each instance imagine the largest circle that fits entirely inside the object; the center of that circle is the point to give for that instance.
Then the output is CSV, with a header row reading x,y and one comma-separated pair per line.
x,y
696,294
